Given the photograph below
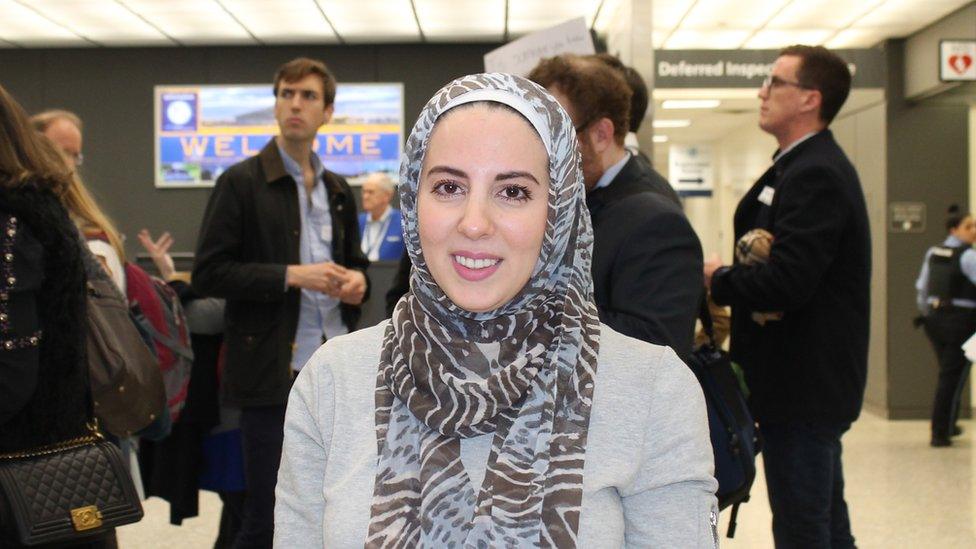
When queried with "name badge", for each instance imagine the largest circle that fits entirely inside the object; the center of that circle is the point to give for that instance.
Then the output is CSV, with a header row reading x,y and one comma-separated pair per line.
x,y
766,196
327,233
393,239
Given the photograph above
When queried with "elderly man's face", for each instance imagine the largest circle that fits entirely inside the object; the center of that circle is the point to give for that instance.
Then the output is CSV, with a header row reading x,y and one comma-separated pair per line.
x,y
376,197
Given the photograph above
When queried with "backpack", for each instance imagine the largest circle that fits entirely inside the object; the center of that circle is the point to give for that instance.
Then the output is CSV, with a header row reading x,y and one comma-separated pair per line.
x,y
734,434
126,384
158,311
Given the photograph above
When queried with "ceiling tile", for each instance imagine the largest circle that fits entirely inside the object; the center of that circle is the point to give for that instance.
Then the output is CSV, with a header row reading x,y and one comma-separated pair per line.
x,y
774,39
525,16
667,13
684,39
857,38
26,27
730,14
297,21
822,14
462,20
103,21
902,13
192,21
372,20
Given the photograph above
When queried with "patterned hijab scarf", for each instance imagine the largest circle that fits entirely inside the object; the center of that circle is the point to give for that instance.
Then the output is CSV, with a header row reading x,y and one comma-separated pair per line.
x,y
523,373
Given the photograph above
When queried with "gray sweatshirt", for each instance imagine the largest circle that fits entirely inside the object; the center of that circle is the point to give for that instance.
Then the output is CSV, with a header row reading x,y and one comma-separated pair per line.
x,y
647,481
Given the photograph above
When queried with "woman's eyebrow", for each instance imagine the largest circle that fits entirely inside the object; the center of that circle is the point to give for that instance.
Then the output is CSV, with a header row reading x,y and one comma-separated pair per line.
x,y
448,170
515,175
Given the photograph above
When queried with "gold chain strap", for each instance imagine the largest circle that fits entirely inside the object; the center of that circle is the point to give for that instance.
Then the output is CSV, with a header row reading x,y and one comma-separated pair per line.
x,y
94,436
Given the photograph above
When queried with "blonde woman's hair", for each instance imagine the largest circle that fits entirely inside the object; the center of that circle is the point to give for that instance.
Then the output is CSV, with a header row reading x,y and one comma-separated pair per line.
x,y
86,214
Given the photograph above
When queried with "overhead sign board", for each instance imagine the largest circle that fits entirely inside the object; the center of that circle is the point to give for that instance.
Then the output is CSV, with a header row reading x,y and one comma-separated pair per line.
x,y
521,56
957,60
203,130
690,169
748,68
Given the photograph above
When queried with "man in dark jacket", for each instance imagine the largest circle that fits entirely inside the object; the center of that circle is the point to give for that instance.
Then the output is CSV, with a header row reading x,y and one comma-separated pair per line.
x,y
646,257
280,242
806,372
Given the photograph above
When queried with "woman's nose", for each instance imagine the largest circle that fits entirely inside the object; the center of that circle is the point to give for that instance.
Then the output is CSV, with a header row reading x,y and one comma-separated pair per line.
x,y
476,222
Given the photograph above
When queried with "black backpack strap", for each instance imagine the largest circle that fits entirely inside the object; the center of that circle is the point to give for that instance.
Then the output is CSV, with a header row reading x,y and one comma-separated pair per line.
x,y
705,316
732,517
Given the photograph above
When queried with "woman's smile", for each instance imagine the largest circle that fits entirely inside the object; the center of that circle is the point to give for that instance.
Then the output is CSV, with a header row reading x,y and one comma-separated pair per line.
x,y
474,267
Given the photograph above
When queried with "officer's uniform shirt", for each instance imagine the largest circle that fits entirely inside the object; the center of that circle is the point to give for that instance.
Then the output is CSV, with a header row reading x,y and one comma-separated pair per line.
x,y
968,264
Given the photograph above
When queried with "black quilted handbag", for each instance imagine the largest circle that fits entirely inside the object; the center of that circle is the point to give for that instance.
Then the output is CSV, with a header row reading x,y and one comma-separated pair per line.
x,y
68,492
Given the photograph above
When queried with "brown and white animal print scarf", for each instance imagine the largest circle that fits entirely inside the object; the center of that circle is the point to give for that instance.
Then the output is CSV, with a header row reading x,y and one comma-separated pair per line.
x,y
524,372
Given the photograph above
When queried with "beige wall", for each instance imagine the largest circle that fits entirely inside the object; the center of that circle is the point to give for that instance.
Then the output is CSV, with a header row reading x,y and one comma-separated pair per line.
x,y
922,51
862,136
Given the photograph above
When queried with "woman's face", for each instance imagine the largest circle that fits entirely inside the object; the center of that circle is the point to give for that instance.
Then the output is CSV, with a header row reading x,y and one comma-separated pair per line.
x,y
965,231
482,205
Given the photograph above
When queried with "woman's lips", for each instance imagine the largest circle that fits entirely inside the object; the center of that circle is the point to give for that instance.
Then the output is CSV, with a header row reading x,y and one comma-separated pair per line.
x,y
475,267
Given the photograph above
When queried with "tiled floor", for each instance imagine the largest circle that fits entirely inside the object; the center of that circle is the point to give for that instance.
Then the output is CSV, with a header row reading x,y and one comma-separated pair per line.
x,y
901,493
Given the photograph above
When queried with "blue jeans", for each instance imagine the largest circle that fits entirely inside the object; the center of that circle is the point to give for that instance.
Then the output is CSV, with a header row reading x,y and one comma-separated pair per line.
x,y
805,482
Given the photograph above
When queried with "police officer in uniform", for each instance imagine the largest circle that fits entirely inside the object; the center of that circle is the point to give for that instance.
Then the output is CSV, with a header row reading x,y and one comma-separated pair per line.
x,y
946,289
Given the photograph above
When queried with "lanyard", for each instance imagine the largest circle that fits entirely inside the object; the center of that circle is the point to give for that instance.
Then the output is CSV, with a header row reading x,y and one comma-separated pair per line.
x,y
372,243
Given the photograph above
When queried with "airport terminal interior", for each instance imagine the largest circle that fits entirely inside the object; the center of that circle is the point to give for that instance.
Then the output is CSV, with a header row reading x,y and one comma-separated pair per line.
x,y
139,73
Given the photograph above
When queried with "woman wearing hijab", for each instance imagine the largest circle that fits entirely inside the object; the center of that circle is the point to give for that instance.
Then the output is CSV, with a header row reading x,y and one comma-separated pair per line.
x,y
494,409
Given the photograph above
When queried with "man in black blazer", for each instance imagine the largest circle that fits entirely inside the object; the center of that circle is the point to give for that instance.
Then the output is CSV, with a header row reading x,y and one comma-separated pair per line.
x,y
806,372
646,258
280,242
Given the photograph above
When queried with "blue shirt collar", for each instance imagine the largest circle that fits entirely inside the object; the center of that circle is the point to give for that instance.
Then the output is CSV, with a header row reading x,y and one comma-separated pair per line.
x,y
952,242
612,171
294,169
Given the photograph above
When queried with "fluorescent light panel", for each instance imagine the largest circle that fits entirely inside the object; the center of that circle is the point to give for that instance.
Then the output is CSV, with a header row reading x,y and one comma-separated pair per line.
x,y
690,103
660,139
192,21
297,21
674,123
710,40
25,27
103,21
462,20
772,38
823,14
730,14
667,13
525,16
856,38
373,20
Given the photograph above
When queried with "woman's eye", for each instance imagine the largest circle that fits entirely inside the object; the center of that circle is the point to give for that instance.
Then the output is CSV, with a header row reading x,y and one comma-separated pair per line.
x,y
447,188
516,193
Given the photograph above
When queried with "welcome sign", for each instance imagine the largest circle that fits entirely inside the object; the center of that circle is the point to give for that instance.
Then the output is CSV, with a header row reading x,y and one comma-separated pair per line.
x,y
203,130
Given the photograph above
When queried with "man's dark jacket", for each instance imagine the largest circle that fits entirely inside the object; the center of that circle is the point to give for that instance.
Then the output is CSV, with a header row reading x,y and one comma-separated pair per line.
x,y
250,234
812,364
647,260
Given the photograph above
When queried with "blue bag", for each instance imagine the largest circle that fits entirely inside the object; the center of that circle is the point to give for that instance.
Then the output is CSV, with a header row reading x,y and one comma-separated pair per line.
x,y
735,436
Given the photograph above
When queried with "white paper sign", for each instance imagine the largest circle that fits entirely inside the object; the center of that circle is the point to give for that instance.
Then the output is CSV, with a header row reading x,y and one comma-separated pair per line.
x,y
521,56
957,60
690,169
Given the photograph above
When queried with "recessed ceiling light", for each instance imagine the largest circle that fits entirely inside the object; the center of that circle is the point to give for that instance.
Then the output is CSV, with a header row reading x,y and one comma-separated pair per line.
x,y
671,123
660,139
690,103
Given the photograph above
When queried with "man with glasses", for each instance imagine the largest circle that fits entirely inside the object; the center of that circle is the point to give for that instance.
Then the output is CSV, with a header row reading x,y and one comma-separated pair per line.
x,y
806,371
63,128
646,257
280,242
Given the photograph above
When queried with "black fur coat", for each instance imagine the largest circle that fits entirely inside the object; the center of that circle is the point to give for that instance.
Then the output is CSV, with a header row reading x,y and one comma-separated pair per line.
x,y
47,260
